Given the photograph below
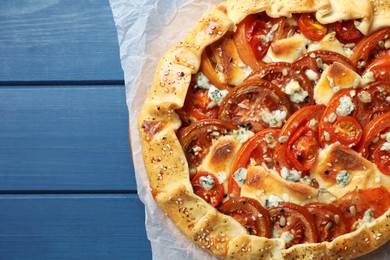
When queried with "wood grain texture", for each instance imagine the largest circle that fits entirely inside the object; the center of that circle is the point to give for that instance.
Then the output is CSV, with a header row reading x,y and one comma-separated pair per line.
x,y
58,40
64,138
72,227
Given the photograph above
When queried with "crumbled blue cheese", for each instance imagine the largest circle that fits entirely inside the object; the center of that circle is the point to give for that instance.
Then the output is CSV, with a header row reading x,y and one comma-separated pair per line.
x,y
296,92
272,201
290,175
221,176
202,81
287,237
386,145
216,96
240,176
346,106
275,233
274,118
368,77
305,180
343,178
207,182
367,218
270,140
365,96
242,134
311,74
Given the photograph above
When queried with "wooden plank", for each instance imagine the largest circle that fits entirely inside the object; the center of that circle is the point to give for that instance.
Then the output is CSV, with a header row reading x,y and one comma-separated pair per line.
x,y
72,227
58,40
64,138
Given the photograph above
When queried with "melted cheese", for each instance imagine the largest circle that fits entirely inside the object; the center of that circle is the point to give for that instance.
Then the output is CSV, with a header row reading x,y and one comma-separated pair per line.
x,y
328,43
336,160
287,50
261,184
381,14
334,78
220,157
347,10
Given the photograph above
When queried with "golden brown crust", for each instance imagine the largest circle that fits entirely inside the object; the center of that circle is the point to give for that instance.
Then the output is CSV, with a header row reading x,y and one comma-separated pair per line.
x,y
166,163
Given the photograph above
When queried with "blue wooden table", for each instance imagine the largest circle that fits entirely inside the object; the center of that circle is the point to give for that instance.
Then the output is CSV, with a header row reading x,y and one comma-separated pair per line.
x,y
67,185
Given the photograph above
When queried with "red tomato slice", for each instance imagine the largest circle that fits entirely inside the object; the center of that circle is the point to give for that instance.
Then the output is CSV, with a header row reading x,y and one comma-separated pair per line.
x,y
330,221
250,214
296,220
371,102
197,138
355,203
303,148
346,31
315,60
196,106
282,74
372,142
291,132
252,103
311,28
381,68
337,123
207,186
259,148
368,47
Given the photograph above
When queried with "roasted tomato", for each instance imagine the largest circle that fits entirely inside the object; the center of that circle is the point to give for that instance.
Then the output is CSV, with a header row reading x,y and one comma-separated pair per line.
x,y
363,205
197,138
207,186
337,124
347,32
330,221
312,63
250,214
254,36
255,104
290,80
375,144
371,101
380,67
197,106
369,47
293,223
297,147
311,28
258,149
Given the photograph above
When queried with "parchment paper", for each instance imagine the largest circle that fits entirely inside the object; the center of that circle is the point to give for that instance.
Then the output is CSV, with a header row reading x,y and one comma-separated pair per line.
x,y
146,30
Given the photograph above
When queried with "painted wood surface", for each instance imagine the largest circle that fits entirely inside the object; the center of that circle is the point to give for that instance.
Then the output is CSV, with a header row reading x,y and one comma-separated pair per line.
x,y
64,138
58,40
67,186
72,227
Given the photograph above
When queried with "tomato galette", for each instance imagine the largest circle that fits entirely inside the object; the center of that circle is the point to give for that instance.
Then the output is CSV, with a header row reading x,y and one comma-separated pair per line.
x,y
266,133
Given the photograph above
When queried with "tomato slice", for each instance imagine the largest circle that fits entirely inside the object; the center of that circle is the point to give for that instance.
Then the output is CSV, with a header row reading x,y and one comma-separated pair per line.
x,y
355,203
197,138
311,28
347,32
293,132
373,142
371,102
293,222
197,106
303,148
259,149
314,61
329,220
368,47
337,123
255,104
250,214
207,186
290,80
380,67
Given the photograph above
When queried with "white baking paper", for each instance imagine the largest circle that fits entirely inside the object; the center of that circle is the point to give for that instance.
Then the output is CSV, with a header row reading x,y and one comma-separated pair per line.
x,y
146,30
